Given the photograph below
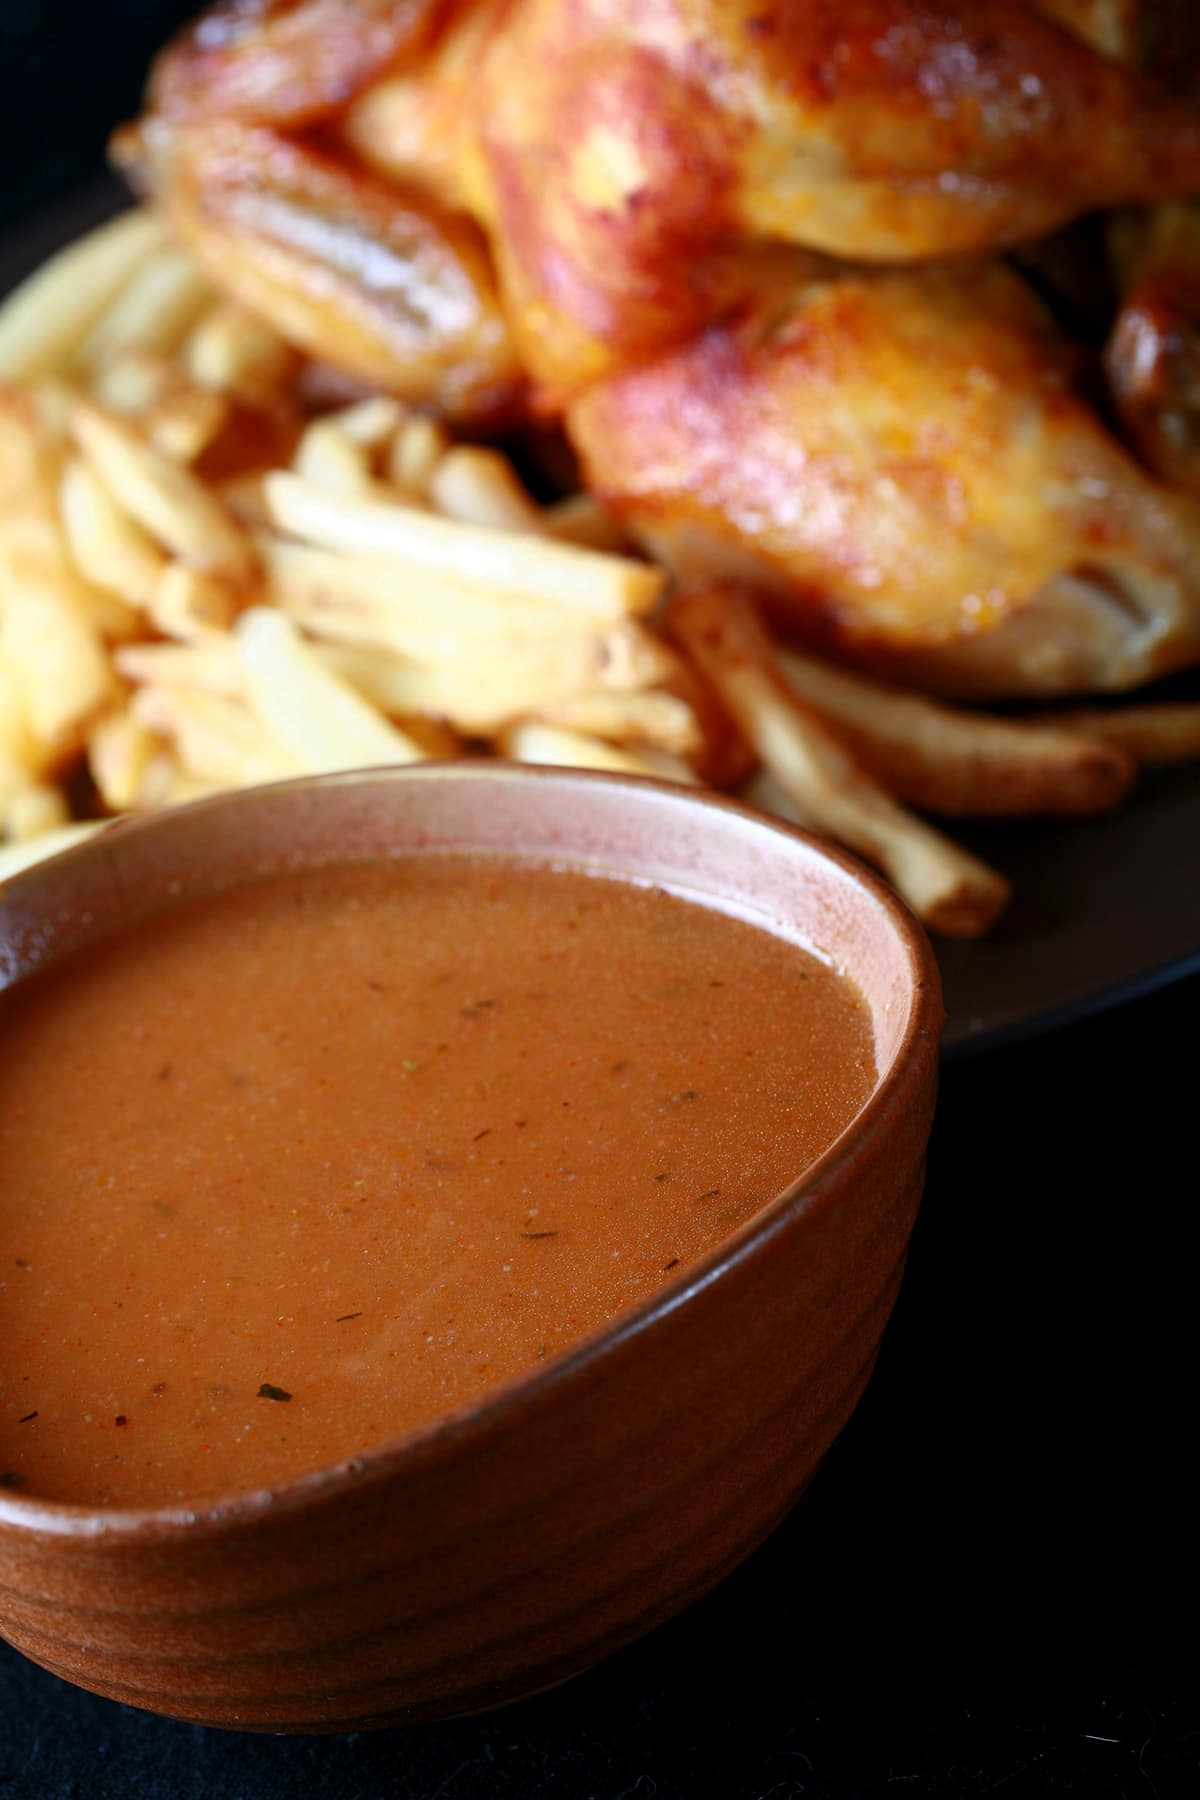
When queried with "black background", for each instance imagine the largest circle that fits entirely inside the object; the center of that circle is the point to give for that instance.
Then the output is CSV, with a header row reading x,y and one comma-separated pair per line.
x,y
991,1587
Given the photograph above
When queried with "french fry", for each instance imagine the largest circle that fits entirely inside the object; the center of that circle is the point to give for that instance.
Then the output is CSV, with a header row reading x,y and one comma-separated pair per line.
x,y
33,811
652,719
186,423
219,741
952,891
189,605
154,310
108,547
428,616
131,384
44,321
243,499
231,352
435,738
532,742
329,458
373,423
481,487
498,680
945,759
417,448
1164,731
48,638
594,586
16,745
16,858
579,519
323,722
181,789
169,501
175,414
210,664
29,451
165,782
120,751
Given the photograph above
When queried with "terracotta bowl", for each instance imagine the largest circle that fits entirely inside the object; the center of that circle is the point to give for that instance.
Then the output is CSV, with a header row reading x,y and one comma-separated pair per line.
x,y
517,1542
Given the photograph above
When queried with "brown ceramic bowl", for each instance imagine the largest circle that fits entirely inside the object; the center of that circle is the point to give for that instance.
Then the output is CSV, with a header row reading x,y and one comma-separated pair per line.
x,y
519,1541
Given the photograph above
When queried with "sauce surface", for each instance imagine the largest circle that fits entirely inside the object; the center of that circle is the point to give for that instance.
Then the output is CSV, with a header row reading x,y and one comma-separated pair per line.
x,y
296,1168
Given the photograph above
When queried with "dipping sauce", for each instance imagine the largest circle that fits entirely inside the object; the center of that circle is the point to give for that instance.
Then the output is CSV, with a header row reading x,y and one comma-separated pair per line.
x,y
293,1169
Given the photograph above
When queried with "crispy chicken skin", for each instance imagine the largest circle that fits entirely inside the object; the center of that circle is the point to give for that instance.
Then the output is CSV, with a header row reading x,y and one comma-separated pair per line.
x,y
617,148
751,254
902,453
390,286
291,63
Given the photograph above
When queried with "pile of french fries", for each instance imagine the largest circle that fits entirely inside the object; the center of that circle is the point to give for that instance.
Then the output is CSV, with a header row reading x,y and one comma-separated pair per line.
x,y
208,579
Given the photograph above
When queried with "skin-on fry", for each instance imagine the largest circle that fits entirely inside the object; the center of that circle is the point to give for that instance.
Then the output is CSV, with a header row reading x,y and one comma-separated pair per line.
x,y
44,321
952,891
481,487
595,586
1164,731
170,502
321,720
945,759
16,858
531,742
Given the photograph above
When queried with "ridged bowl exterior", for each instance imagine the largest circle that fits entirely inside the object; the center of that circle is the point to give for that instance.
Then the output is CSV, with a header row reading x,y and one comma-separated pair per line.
x,y
510,1547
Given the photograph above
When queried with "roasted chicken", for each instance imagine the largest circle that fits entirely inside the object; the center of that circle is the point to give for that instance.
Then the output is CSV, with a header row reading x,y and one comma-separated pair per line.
x,y
754,257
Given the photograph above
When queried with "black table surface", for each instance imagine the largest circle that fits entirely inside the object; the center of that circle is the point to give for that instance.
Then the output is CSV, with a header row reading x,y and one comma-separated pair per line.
x,y
991,1586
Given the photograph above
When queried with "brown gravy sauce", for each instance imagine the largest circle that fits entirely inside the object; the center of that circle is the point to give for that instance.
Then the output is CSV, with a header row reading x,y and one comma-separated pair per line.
x,y
299,1167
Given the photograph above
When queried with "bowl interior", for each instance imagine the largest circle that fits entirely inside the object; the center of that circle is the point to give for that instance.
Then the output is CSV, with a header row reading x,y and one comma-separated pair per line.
x,y
709,850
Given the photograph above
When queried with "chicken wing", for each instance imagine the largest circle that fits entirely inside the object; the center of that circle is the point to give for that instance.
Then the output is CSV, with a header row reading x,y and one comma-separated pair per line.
x,y
390,287
903,459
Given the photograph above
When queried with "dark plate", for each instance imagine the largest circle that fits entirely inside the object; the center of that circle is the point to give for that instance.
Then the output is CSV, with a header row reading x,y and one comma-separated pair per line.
x,y
1104,909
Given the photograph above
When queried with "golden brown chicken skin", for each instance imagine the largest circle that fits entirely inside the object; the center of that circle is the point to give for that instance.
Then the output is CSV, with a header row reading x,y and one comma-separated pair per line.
x,y
694,214
292,63
623,144
389,286
904,458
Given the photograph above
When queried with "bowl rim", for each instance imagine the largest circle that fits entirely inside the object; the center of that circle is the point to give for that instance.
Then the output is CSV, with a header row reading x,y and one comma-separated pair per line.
x,y
33,1519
